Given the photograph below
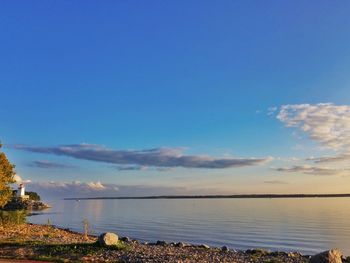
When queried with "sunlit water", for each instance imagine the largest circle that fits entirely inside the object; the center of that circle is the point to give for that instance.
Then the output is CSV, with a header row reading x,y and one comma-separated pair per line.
x,y
308,225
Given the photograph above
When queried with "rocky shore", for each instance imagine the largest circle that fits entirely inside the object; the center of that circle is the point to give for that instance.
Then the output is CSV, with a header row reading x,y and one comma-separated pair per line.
x,y
45,242
20,204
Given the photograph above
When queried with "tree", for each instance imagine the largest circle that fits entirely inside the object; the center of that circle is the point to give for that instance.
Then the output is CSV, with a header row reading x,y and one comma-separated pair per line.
x,y
7,173
33,196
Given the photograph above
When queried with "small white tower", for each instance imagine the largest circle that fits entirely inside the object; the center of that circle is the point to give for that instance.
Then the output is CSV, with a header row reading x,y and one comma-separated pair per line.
x,y
21,191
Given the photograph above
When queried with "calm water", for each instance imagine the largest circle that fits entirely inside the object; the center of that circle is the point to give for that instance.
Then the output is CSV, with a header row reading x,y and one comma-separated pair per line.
x,y
307,225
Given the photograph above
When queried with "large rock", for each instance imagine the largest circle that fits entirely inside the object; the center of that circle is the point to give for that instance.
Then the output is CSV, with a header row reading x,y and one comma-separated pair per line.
x,y
329,256
108,239
225,249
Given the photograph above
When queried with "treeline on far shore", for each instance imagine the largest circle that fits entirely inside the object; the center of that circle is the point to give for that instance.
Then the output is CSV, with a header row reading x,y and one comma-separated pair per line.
x,y
216,196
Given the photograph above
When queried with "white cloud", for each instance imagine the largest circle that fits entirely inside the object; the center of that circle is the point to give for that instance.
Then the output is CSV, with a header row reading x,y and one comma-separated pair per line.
x,y
19,179
325,123
313,170
96,185
75,188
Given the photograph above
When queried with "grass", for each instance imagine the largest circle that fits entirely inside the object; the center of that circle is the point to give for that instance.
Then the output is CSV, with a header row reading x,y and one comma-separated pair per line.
x,y
12,218
259,255
62,252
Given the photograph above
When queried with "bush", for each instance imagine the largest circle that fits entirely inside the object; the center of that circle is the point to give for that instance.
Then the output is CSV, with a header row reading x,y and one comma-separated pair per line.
x,y
16,217
6,178
33,196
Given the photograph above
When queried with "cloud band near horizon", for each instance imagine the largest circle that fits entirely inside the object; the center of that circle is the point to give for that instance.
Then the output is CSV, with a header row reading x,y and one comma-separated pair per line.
x,y
157,157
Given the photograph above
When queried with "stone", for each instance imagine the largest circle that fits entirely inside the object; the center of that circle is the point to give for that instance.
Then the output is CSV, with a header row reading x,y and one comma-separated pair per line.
x,y
108,239
204,246
278,254
126,239
257,251
161,243
294,254
225,249
180,244
329,256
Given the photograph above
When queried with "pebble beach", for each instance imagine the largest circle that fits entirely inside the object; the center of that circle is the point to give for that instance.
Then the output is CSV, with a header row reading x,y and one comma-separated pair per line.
x,y
46,242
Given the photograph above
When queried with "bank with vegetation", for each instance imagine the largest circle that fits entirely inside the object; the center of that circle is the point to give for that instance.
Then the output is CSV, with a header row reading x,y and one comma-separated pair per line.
x,y
46,242
50,243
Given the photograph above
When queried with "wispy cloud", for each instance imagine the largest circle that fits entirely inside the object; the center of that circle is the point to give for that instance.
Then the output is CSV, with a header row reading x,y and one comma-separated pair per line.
x,y
49,165
142,168
158,157
131,168
329,159
271,110
325,123
313,170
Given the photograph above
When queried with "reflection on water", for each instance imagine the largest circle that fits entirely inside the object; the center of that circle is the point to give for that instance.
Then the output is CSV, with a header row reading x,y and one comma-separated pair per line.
x,y
308,225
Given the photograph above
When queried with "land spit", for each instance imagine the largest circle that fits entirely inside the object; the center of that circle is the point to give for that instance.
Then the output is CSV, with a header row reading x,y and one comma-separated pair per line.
x,y
50,243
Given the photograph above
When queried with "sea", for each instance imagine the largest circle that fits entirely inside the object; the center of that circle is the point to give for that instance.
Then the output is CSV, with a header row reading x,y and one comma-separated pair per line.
x,y
307,225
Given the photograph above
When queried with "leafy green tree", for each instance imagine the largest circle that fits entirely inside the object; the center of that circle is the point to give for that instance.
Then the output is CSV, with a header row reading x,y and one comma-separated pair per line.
x,y
33,196
7,173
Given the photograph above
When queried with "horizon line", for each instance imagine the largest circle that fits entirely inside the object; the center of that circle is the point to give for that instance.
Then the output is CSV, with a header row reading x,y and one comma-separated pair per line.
x,y
238,196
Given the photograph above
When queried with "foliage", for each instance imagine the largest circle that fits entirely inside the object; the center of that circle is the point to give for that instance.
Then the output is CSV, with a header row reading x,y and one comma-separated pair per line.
x,y
16,217
33,196
75,251
63,252
6,178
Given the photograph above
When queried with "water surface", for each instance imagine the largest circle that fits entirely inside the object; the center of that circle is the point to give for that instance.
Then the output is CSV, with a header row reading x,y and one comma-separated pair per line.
x,y
308,225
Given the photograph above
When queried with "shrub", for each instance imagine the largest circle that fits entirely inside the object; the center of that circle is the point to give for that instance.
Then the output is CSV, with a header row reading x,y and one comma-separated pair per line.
x,y
16,217
6,178
33,196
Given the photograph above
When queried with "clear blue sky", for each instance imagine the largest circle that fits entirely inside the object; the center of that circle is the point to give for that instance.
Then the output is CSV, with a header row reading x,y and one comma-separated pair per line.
x,y
195,74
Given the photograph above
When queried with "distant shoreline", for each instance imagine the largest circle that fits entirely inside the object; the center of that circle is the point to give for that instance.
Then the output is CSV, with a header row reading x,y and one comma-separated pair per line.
x,y
215,196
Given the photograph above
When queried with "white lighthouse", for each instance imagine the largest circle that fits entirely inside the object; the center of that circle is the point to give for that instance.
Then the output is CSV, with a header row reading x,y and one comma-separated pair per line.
x,y
21,192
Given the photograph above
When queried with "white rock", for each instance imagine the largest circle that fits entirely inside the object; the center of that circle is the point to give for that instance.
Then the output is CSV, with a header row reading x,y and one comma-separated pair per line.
x,y
329,256
108,239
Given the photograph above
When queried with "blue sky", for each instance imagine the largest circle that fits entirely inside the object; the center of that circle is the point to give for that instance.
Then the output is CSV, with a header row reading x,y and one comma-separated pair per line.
x,y
195,75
